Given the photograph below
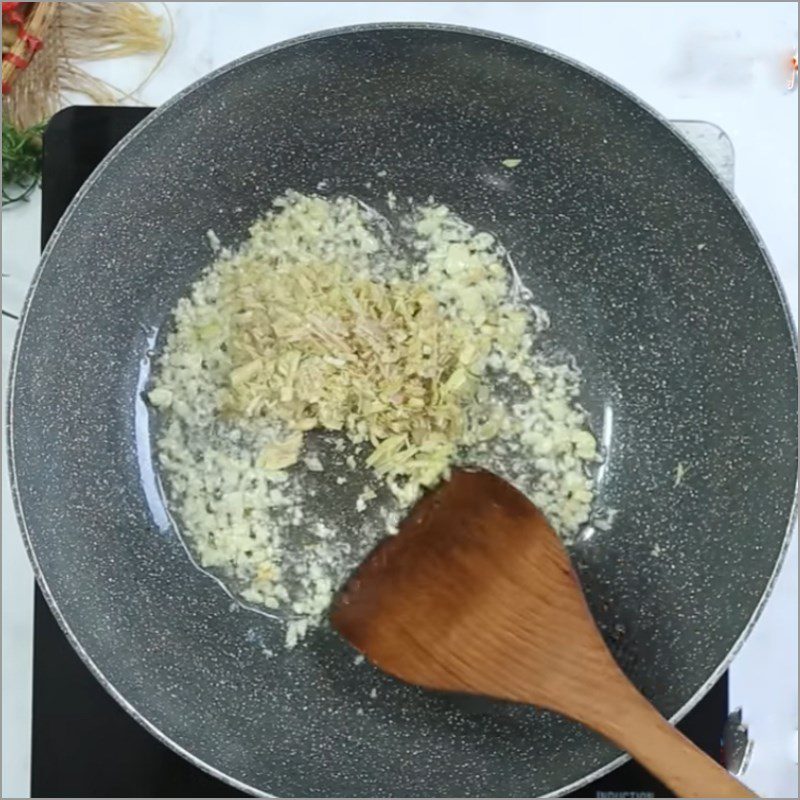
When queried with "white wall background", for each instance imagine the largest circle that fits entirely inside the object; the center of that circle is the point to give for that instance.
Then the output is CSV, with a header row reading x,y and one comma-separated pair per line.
x,y
722,62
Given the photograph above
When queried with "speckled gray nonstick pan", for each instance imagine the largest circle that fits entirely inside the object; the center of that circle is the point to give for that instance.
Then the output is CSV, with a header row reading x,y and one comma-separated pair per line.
x,y
654,280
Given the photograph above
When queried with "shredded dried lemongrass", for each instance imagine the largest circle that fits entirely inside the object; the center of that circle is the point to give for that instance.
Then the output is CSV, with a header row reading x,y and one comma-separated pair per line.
x,y
320,345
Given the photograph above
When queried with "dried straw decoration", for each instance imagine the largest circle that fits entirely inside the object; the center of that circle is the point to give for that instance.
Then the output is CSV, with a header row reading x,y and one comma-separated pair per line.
x,y
40,73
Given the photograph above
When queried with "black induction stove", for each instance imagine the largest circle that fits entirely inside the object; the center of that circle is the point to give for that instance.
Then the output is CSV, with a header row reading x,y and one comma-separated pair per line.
x,y
84,744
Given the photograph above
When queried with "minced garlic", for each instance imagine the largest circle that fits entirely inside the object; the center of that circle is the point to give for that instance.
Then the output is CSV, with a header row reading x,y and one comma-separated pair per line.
x,y
398,362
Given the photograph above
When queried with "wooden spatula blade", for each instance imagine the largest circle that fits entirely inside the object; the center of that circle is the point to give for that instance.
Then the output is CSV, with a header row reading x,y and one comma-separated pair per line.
x,y
473,592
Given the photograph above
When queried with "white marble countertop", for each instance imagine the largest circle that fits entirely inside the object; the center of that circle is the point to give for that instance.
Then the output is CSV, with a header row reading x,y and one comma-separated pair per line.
x,y
727,63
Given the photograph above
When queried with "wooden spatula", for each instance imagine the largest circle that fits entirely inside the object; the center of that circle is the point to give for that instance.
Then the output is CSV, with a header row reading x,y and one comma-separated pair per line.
x,y
476,594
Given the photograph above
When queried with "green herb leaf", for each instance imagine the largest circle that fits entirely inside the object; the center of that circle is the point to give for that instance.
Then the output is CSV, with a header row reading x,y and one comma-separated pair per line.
x,y
22,160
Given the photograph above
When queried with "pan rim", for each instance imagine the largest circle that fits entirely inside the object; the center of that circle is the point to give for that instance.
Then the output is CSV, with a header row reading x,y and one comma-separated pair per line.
x,y
201,83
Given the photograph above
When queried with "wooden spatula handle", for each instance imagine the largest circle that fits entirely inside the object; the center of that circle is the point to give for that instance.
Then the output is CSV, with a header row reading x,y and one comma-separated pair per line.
x,y
665,752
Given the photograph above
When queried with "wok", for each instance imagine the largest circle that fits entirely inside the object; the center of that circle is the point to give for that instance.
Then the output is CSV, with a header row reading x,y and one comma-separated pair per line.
x,y
653,277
